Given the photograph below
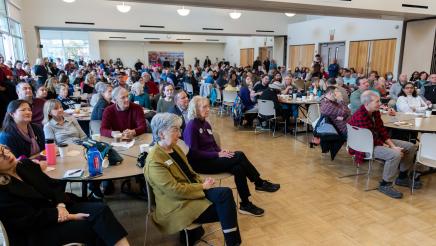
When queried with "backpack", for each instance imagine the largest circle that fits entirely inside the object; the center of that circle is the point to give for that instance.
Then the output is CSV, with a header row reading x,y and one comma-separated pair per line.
x,y
237,111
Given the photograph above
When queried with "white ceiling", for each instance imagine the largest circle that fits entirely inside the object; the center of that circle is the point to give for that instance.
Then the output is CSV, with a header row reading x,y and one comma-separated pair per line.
x,y
387,9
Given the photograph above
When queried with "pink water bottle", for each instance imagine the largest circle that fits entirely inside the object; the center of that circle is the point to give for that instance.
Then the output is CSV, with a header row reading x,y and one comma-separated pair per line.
x,y
50,151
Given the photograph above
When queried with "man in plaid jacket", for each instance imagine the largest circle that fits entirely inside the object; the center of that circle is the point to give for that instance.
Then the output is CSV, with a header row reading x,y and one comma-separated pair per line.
x,y
395,153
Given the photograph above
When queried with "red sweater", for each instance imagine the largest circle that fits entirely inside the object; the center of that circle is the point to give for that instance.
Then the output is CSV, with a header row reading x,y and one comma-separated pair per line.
x,y
115,120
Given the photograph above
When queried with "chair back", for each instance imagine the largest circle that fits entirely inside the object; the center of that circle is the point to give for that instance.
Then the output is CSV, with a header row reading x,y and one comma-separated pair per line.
x,y
94,127
189,88
151,204
266,108
426,154
3,235
299,83
360,139
313,113
229,96
218,94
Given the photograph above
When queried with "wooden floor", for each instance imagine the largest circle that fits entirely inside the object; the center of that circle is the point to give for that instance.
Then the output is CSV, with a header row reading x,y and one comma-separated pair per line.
x,y
313,206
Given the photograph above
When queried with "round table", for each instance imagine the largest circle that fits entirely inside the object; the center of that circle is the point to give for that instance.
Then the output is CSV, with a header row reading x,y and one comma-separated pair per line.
x,y
126,169
406,122
303,104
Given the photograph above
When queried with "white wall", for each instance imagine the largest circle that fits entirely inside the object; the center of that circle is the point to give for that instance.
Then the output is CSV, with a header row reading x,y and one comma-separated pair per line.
x,y
54,13
418,46
346,29
235,44
130,51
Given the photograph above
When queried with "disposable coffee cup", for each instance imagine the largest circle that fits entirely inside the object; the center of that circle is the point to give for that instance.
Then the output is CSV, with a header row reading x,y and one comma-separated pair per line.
x,y
144,148
418,121
77,106
294,96
63,150
117,136
428,113
96,137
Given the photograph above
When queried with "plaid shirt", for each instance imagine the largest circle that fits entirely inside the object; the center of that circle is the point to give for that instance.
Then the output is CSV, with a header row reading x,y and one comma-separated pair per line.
x,y
374,123
333,110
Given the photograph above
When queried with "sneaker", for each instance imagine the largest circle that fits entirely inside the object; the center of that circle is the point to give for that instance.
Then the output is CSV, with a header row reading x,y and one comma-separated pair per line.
x,y
389,190
408,183
251,209
268,187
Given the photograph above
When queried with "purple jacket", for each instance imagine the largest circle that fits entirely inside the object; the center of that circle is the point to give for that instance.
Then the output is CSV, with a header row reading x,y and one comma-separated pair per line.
x,y
199,137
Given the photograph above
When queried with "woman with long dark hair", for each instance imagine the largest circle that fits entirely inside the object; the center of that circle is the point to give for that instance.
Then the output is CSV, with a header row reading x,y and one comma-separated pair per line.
x,y
18,133
409,101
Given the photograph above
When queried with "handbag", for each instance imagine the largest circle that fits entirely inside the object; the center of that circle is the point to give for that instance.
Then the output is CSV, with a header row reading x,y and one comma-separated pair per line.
x,y
324,128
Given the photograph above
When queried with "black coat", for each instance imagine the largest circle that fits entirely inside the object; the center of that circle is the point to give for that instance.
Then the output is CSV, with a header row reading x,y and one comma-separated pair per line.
x,y
16,143
175,110
29,205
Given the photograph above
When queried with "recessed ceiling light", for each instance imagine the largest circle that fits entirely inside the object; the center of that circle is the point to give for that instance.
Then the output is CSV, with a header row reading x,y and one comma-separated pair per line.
x,y
183,11
123,8
235,15
69,1
290,14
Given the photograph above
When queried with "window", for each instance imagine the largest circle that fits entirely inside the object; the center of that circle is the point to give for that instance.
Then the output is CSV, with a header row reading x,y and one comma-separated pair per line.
x,y
11,36
64,44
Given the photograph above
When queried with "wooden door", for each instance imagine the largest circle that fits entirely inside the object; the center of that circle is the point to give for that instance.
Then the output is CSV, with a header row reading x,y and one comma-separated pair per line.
x,y
246,57
358,56
382,56
300,55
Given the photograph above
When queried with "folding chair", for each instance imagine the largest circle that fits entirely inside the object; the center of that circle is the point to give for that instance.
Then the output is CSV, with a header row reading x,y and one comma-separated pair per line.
x,y
267,110
426,154
228,100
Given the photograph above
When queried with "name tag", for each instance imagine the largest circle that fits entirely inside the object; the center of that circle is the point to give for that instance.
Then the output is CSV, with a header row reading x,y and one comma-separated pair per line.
x,y
201,130
169,163
209,131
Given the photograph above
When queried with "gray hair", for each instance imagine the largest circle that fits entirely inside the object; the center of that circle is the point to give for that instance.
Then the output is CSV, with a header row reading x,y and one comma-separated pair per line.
x,y
193,106
162,122
116,92
145,74
101,87
367,96
137,86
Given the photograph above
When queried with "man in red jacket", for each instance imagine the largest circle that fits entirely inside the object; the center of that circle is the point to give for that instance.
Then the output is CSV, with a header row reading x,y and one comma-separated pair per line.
x,y
123,116
397,154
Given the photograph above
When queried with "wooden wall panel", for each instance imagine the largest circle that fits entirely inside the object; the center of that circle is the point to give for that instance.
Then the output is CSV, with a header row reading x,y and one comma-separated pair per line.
x,y
358,56
383,56
246,57
301,55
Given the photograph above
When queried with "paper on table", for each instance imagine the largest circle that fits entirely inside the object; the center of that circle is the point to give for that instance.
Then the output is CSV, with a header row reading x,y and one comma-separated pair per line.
x,y
73,173
126,145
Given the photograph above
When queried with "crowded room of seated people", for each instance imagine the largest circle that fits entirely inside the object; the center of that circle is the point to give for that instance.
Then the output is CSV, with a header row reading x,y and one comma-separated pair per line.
x,y
200,125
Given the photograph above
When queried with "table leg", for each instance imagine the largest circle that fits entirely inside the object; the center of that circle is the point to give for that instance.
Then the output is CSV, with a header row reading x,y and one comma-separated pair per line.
x,y
85,189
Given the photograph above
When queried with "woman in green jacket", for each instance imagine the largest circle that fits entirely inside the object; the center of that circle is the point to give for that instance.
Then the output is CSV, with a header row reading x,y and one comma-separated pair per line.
x,y
182,197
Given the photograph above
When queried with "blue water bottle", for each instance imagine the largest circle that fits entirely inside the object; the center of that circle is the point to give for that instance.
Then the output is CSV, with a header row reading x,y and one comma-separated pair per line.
x,y
94,162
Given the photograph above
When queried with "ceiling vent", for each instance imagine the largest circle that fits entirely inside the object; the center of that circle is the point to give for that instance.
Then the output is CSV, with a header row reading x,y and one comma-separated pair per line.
x,y
212,29
269,31
212,40
79,23
185,39
414,6
152,38
118,37
148,26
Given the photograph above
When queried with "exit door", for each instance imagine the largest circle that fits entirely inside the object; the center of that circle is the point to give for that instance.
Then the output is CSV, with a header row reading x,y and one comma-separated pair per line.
x,y
331,51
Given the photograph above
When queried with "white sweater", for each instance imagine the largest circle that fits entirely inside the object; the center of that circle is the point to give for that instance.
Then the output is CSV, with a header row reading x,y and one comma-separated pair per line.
x,y
405,104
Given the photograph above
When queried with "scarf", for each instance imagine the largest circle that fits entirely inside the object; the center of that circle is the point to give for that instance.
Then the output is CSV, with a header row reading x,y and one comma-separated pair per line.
x,y
29,138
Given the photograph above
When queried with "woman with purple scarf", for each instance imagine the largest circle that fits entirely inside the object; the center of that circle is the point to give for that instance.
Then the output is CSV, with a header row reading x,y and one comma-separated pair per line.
x,y
23,138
